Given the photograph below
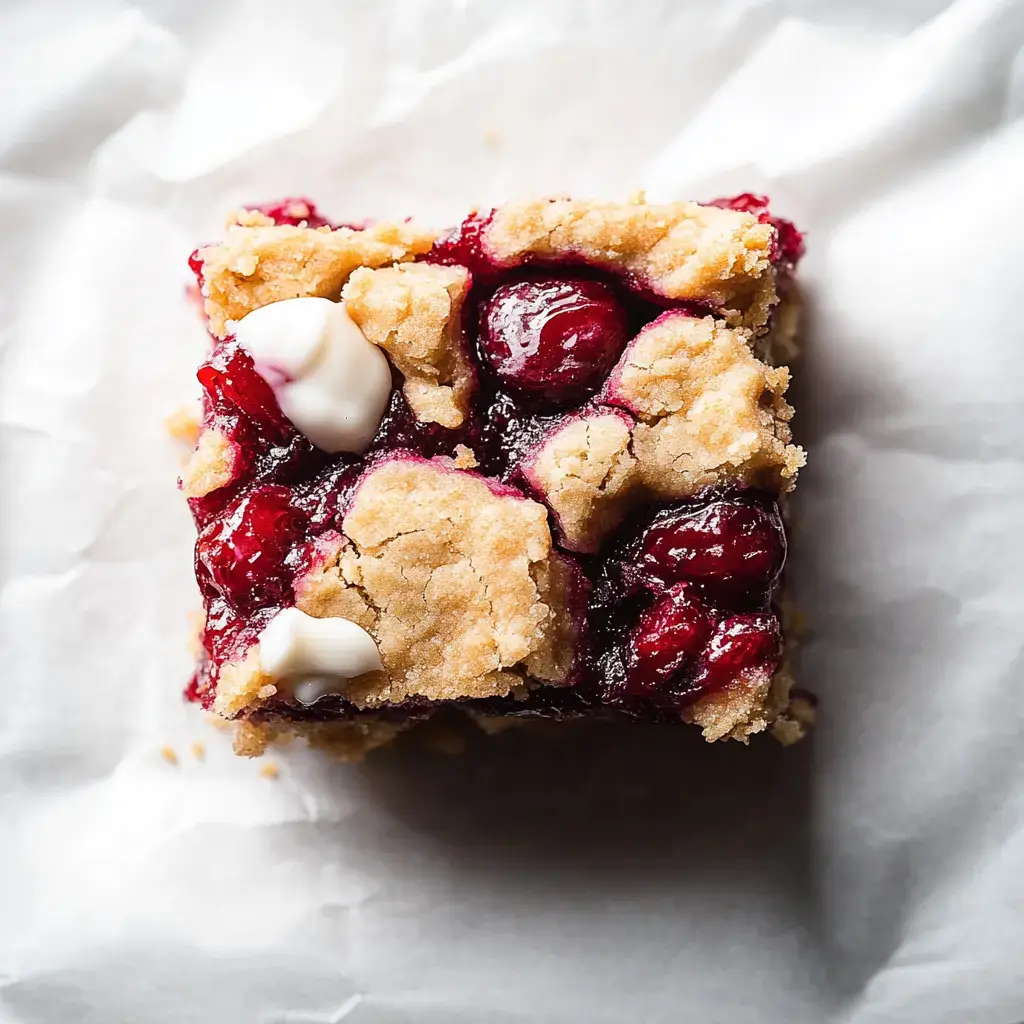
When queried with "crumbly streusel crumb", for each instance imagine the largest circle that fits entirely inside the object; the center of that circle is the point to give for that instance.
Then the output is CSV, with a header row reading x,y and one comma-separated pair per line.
x,y
413,312
585,472
169,754
259,263
737,711
241,684
709,410
185,423
211,465
683,251
458,585
464,458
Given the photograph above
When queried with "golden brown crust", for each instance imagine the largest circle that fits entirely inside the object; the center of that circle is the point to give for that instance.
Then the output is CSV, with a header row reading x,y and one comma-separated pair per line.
x,y
684,251
585,472
346,741
709,410
413,312
460,579
258,263
210,466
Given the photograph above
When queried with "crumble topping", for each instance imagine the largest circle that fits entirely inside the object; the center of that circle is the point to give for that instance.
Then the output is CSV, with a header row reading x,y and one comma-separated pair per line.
x,y
211,465
258,263
683,251
585,472
461,580
457,584
413,312
709,410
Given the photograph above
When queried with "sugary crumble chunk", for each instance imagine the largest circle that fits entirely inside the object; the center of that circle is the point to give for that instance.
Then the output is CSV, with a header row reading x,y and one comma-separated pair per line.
x,y
211,465
709,410
242,684
185,423
462,591
584,470
737,711
258,263
684,251
414,312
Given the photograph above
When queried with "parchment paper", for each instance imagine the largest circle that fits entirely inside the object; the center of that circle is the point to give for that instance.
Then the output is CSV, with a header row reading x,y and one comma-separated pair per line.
x,y
875,874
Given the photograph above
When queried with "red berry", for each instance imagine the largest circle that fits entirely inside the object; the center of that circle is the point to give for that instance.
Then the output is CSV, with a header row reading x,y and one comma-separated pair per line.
x,y
726,544
555,337
241,555
739,644
667,638
230,377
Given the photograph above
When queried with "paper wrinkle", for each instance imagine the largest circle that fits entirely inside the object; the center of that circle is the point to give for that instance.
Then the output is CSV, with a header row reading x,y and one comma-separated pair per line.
x,y
873,875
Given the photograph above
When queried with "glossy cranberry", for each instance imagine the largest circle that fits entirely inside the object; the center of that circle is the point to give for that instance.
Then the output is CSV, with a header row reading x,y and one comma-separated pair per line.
x,y
739,644
293,210
668,637
464,246
242,554
727,543
554,336
230,378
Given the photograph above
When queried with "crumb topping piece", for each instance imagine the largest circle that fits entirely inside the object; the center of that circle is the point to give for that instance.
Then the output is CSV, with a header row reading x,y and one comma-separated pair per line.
x,y
414,312
258,263
210,466
584,470
684,251
459,585
709,410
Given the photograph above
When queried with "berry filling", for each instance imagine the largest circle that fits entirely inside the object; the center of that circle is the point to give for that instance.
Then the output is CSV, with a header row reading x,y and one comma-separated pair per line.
x,y
554,337
682,596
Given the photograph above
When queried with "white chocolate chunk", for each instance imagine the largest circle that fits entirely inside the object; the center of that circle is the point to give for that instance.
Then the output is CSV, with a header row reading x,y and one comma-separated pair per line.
x,y
329,380
315,654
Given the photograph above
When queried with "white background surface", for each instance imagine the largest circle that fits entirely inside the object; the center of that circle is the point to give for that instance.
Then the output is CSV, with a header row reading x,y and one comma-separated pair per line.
x,y
875,874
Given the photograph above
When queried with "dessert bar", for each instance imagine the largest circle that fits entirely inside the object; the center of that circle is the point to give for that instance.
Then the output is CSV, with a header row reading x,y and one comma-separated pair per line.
x,y
532,466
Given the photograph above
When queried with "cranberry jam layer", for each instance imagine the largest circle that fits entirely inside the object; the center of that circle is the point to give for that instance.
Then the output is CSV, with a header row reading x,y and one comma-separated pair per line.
x,y
530,466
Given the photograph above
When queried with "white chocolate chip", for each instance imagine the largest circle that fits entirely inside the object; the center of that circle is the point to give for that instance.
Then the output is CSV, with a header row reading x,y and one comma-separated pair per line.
x,y
315,654
329,380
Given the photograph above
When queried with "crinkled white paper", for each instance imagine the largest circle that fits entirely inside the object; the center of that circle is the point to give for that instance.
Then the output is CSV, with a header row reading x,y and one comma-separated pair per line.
x,y
873,875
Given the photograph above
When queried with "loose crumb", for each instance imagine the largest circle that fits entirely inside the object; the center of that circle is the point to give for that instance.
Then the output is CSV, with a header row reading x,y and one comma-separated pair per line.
x,y
270,770
198,750
183,424
168,754
492,138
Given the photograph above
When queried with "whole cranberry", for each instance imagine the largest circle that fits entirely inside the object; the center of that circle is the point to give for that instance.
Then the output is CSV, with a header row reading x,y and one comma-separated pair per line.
x,y
667,638
241,555
727,545
739,644
231,381
554,337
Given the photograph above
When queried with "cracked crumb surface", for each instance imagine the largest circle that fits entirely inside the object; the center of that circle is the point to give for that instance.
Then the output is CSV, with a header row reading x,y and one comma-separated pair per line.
x,y
211,465
258,263
709,410
458,585
683,251
585,472
414,312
